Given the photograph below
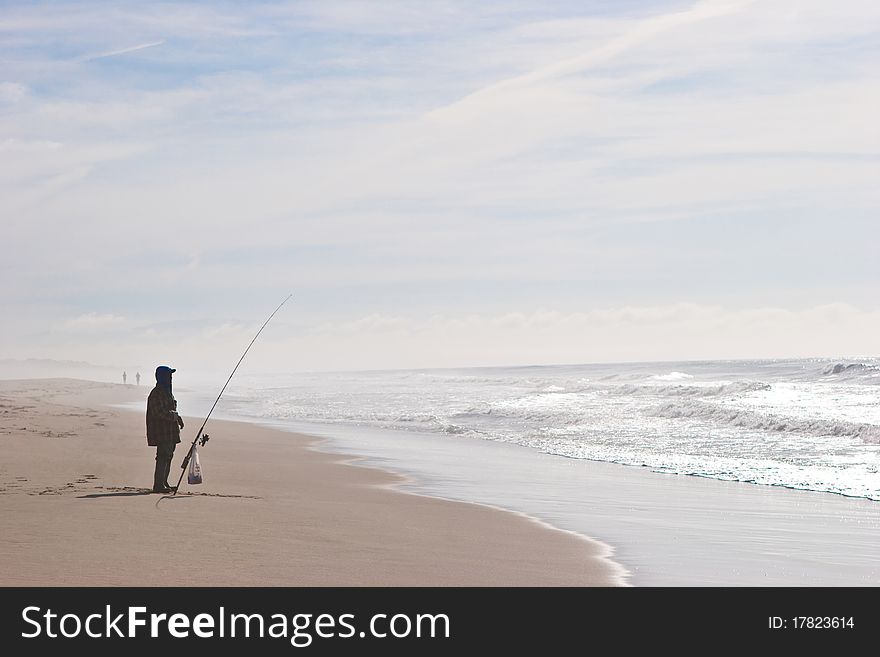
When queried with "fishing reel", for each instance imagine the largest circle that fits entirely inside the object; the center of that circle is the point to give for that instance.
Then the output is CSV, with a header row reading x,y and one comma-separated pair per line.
x,y
204,439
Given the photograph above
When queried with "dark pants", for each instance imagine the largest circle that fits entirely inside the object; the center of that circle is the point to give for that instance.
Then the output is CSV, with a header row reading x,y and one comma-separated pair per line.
x,y
164,454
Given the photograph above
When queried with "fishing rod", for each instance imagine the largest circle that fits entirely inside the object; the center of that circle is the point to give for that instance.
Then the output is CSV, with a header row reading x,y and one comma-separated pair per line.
x,y
203,439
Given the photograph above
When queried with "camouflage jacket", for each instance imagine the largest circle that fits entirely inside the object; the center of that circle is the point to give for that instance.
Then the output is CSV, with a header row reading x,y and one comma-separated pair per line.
x,y
162,424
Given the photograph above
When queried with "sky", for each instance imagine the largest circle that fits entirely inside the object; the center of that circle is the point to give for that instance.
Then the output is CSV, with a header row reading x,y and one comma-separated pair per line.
x,y
439,184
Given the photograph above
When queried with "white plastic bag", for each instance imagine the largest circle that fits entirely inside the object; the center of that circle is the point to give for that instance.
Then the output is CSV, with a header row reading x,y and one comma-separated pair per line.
x,y
194,476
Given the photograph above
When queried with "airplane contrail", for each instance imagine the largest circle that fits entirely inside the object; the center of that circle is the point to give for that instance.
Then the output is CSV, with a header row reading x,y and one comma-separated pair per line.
x,y
123,51
646,29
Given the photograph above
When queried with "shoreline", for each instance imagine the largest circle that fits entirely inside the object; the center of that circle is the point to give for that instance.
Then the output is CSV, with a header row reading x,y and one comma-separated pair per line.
x,y
666,529
275,510
406,484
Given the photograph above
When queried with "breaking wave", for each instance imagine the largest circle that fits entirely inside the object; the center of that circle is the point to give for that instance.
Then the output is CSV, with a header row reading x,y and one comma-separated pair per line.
x,y
715,390
851,369
750,420
672,376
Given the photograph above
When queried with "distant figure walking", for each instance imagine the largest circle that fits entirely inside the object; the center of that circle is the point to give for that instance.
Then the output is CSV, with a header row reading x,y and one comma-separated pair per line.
x,y
124,377
163,427
137,377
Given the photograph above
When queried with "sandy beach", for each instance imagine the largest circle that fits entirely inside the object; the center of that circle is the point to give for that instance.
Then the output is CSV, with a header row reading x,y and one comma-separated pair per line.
x,y
77,510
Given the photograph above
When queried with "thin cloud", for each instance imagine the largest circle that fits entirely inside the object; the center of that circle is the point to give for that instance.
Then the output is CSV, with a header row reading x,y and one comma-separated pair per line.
x,y
94,321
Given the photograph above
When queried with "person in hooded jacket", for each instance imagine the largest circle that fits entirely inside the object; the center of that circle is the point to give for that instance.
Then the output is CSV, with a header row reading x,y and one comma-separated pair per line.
x,y
163,427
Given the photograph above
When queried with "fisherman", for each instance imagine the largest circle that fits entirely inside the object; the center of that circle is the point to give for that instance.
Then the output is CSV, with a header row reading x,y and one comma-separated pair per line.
x,y
124,377
137,377
163,427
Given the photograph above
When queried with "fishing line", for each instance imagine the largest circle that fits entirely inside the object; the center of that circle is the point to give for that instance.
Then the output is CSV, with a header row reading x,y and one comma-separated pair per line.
x,y
202,428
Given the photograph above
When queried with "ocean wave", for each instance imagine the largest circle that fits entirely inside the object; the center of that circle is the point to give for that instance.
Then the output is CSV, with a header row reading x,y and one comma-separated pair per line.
x,y
680,390
473,412
509,417
455,429
407,418
850,369
672,376
749,420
